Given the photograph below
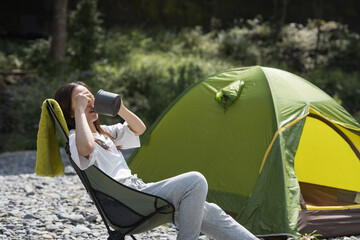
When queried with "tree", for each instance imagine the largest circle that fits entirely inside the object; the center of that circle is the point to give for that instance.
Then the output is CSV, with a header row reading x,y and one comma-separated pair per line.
x,y
59,33
279,16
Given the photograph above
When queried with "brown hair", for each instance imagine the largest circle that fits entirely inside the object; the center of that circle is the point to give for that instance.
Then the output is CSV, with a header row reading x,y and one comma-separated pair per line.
x,y
63,97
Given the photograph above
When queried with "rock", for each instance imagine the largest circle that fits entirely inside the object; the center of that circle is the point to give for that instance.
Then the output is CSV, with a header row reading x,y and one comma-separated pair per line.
x,y
29,190
79,229
66,231
51,227
72,217
35,232
70,171
47,236
9,227
91,218
34,207
28,216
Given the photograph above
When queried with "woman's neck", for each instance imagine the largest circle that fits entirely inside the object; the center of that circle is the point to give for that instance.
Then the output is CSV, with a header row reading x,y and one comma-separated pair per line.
x,y
92,128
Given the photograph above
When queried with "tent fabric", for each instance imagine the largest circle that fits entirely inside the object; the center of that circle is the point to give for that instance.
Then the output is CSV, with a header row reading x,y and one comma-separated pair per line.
x,y
330,222
318,195
281,130
229,94
329,149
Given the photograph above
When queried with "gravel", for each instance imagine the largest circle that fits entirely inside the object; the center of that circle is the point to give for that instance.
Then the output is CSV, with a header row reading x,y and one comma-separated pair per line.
x,y
33,207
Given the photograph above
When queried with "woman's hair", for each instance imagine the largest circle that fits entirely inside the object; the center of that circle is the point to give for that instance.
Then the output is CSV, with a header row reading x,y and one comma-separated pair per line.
x,y
63,97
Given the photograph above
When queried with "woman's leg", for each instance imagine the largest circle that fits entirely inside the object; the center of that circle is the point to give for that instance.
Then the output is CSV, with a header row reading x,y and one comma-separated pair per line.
x,y
187,192
218,225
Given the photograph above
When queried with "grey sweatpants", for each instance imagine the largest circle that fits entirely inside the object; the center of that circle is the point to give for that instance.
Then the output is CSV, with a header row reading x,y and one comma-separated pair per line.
x,y
187,192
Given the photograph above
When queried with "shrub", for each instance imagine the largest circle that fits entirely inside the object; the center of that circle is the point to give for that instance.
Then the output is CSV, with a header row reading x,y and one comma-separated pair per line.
x,y
85,34
343,87
23,108
317,45
37,56
248,42
10,62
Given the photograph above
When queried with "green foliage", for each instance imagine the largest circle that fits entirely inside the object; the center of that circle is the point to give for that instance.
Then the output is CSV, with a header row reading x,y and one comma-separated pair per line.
x,y
303,48
13,46
342,86
248,42
149,68
347,53
85,34
23,108
315,45
37,56
9,62
309,236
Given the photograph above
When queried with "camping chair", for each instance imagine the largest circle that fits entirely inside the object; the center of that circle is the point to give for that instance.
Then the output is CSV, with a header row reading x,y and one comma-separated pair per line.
x,y
126,210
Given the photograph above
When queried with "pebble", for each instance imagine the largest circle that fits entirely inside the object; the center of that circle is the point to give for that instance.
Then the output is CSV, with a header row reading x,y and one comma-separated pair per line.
x,y
34,207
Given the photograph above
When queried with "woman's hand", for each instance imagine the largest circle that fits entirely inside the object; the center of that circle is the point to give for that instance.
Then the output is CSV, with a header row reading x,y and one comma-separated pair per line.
x,y
83,100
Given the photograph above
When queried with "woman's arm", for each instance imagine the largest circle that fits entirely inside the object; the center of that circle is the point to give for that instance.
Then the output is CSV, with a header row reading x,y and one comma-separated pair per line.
x,y
134,122
85,142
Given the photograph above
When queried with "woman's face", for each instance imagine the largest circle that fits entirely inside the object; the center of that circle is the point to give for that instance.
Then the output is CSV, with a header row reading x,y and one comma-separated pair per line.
x,y
91,115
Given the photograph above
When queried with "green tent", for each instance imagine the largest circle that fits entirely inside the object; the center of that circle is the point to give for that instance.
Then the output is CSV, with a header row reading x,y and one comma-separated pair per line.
x,y
274,148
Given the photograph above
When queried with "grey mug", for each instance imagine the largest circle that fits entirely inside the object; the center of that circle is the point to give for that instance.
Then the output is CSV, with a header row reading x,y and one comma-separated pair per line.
x,y
107,103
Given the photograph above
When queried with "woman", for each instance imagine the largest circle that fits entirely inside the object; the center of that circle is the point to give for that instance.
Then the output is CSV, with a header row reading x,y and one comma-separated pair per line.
x,y
91,144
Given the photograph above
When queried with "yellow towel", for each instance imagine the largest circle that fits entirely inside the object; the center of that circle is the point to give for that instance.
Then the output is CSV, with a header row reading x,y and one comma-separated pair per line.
x,y
48,158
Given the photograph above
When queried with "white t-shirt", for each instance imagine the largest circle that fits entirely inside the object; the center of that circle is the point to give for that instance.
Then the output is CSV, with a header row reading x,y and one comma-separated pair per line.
x,y
111,161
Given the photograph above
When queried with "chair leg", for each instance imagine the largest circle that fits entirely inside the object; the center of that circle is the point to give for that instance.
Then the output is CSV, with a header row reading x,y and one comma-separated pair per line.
x,y
112,238
115,236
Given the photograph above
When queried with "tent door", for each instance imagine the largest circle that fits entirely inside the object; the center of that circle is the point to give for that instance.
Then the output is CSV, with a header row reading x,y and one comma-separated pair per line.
x,y
327,156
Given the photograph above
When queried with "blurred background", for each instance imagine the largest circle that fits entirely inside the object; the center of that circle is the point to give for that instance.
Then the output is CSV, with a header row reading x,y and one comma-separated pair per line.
x,y
150,51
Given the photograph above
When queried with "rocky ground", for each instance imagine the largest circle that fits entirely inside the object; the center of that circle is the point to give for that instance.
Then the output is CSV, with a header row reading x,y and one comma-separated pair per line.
x,y
33,207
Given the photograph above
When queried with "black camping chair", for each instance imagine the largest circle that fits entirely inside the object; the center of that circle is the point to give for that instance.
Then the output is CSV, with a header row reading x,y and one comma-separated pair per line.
x,y
125,211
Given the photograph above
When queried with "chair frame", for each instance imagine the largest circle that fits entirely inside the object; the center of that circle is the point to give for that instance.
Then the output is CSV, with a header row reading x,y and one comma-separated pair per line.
x,y
113,234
